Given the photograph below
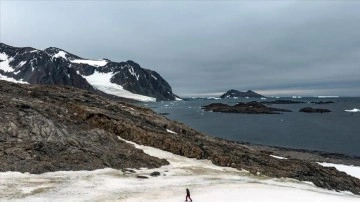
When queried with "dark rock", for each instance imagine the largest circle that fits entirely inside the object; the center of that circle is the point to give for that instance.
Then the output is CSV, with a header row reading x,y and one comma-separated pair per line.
x,y
237,94
142,177
323,102
155,174
245,108
312,110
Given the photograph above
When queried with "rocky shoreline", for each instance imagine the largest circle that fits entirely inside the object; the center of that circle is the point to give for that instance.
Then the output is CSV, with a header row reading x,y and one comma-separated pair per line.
x,y
53,128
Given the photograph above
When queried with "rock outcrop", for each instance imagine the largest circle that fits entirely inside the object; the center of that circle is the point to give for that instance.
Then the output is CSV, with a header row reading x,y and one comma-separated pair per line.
x,y
51,128
244,108
323,102
312,110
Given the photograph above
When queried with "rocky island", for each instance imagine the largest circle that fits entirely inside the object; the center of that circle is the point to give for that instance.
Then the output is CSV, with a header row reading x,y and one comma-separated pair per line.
x,y
236,94
54,128
244,108
312,110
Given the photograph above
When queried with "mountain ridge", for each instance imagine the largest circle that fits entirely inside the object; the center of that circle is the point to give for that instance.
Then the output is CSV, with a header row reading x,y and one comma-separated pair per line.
x,y
235,94
59,67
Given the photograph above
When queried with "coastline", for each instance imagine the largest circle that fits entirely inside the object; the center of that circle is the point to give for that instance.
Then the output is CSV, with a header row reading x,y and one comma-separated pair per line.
x,y
87,128
305,154
206,181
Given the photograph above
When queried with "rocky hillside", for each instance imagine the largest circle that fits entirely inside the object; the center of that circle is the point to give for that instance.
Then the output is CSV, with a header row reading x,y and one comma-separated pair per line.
x,y
50,128
235,94
59,67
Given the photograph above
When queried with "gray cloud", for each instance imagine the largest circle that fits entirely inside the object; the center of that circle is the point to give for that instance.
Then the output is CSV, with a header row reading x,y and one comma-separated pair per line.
x,y
205,46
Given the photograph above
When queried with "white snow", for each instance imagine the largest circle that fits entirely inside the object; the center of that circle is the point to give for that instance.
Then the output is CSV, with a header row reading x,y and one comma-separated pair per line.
x,y
60,54
5,78
4,65
101,81
96,63
21,63
207,183
132,72
352,110
350,170
170,131
277,157
178,99
154,77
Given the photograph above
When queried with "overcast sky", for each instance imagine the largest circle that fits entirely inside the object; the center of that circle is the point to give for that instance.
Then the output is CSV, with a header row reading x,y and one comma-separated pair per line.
x,y
205,47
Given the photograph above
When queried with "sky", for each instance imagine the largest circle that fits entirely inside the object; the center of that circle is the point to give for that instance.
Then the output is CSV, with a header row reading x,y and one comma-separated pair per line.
x,y
205,48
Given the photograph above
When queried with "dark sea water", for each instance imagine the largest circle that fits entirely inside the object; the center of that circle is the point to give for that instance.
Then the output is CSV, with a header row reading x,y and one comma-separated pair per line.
x,y
337,131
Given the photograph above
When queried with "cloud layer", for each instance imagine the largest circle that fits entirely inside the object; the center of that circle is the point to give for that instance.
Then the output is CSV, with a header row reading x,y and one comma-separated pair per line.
x,y
204,47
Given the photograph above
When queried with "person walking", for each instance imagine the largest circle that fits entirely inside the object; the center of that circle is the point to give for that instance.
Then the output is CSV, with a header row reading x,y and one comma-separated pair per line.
x,y
187,195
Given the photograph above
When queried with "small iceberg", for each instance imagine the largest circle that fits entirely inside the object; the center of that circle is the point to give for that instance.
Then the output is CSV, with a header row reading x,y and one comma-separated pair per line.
x,y
352,110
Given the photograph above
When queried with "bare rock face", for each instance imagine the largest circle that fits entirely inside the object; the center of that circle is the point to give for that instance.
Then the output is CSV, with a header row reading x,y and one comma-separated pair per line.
x,y
51,128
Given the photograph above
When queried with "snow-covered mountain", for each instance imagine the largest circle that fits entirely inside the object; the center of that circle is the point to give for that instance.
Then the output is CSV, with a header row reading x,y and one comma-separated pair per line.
x,y
59,67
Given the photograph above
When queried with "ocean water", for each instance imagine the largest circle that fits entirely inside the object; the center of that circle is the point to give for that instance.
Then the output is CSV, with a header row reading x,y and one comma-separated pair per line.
x,y
337,131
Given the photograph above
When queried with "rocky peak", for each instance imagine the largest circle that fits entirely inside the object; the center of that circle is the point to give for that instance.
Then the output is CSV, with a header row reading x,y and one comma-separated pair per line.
x,y
238,94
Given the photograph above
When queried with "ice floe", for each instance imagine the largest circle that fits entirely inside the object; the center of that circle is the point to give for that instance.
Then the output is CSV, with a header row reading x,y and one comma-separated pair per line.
x,y
352,110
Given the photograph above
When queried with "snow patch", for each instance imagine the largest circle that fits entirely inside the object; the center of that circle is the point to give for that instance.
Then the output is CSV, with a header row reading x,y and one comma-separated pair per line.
x,y
154,77
350,170
96,63
5,78
278,157
101,81
22,63
132,72
60,54
4,64
170,131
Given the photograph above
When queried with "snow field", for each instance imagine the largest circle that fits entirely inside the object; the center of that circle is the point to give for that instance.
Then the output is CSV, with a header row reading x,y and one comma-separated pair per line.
x,y
207,183
101,81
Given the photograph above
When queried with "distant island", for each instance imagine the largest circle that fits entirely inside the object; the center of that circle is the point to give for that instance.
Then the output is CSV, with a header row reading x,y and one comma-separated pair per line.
x,y
235,94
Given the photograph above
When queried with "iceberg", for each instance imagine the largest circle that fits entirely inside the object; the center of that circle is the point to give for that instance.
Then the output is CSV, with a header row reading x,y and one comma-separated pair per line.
x,y
352,110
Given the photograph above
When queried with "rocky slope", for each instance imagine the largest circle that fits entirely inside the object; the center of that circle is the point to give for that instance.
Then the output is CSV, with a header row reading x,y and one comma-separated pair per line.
x,y
49,128
56,66
235,94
